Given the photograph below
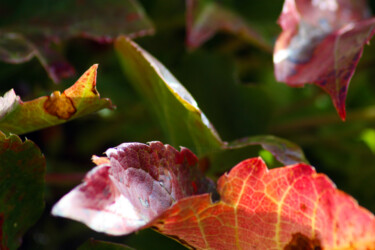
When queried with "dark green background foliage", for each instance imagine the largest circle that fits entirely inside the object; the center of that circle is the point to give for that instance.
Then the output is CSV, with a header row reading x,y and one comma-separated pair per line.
x,y
234,85
21,188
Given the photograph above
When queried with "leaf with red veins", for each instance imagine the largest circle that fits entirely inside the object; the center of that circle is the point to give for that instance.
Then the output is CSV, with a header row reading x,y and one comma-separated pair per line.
x,y
321,43
292,207
82,98
138,184
204,18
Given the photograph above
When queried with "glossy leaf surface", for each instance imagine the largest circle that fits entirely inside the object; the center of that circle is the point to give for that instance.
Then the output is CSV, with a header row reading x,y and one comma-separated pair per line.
x,y
321,43
37,33
178,112
137,184
291,207
183,122
82,98
205,18
22,170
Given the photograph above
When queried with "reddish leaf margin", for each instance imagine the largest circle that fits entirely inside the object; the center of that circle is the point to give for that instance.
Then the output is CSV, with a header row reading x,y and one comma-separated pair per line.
x,y
322,45
132,187
285,207
292,207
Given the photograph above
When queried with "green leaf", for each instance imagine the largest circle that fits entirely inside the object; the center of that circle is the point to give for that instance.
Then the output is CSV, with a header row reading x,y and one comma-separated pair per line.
x,y
182,120
22,170
368,137
92,244
177,111
82,98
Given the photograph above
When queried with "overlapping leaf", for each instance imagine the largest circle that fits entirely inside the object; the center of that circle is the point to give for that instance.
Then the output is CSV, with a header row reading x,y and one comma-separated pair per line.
x,y
285,151
135,185
22,169
321,43
39,30
182,120
291,207
205,18
80,99
285,208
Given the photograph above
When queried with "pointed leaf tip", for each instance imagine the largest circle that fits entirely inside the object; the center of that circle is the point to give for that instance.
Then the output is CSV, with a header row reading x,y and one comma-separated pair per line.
x,y
342,112
81,98
322,44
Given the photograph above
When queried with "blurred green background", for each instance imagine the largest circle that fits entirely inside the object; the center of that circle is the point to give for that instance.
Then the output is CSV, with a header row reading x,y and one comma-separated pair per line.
x,y
233,83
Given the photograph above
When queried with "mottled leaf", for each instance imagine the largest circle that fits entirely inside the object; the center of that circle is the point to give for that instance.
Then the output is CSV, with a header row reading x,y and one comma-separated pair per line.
x,y
137,184
80,99
92,244
176,109
22,170
37,32
291,207
182,120
204,18
321,43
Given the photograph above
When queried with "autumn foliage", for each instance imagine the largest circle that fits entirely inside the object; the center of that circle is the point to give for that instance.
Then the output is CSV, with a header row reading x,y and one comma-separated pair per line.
x,y
156,186
228,158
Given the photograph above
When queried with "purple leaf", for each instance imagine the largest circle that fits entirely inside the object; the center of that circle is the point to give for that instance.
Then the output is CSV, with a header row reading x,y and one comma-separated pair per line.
x,y
136,185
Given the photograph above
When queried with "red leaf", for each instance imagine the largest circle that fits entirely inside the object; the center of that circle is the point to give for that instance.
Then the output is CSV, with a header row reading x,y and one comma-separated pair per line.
x,y
321,43
137,184
291,207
